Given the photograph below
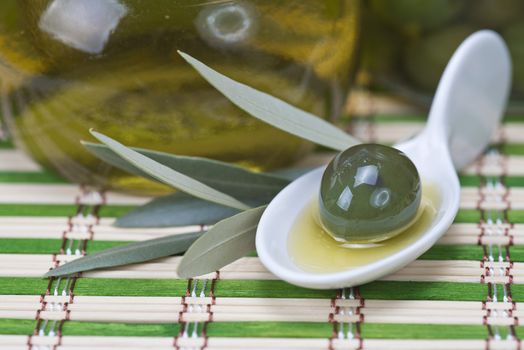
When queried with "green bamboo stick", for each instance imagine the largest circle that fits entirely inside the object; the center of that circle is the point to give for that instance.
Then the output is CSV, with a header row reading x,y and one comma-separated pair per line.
x,y
62,210
22,285
390,290
125,287
17,326
422,331
458,252
470,180
258,329
49,246
270,329
467,216
65,210
40,177
6,144
120,329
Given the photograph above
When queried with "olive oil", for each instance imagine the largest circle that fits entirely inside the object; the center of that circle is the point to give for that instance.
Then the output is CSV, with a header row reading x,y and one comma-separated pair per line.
x,y
119,73
313,250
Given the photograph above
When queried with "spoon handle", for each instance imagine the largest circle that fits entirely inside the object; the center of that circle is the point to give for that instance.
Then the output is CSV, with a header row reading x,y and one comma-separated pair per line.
x,y
471,97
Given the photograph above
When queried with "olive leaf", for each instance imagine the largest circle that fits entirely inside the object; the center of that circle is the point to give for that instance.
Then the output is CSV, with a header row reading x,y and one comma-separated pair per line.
x,y
275,111
231,179
292,173
169,176
227,241
129,254
180,209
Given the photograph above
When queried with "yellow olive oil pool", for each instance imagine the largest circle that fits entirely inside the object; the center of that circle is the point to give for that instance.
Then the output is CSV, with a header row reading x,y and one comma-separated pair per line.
x,y
313,250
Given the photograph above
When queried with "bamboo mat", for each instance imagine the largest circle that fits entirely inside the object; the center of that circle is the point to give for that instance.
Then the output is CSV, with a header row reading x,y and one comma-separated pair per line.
x,y
467,292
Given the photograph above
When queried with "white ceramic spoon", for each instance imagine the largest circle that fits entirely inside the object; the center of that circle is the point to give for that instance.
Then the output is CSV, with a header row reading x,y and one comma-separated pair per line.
x,y
467,108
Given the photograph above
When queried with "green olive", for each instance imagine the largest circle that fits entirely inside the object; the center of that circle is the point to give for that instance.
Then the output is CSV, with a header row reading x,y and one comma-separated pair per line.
x,y
426,58
368,193
415,16
513,35
379,45
495,13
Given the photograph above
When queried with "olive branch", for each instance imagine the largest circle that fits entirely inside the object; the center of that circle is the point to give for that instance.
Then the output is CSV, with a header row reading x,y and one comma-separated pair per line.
x,y
213,192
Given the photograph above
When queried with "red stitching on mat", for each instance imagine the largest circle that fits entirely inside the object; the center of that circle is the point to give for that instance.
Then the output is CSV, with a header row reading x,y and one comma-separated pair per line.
x,y
72,281
336,311
481,199
333,302
331,318
507,255
204,330
59,335
181,314
29,342
489,297
177,337
184,309
43,305
213,286
209,309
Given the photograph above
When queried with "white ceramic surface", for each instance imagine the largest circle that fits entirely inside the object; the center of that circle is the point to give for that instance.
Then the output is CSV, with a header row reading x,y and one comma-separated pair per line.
x,y
468,105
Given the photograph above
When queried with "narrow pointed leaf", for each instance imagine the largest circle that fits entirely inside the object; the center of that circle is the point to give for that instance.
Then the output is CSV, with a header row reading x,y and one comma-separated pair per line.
x,y
231,179
275,111
129,254
224,243
292,173
180,209
169,176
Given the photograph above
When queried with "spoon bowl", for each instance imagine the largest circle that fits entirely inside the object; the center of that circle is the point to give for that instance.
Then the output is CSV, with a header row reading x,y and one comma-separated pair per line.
x,y
467,108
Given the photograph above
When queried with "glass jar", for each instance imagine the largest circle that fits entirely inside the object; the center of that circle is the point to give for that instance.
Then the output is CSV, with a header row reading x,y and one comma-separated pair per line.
x,y
112,65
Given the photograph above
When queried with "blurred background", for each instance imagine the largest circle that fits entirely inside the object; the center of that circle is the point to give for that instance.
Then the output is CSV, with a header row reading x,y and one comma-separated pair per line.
x,y
70,65
406,44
